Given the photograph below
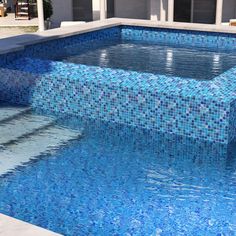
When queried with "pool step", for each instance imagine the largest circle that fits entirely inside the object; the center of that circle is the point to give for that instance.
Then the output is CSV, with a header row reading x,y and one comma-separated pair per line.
x,y
25,136
32,146
8,113
22,125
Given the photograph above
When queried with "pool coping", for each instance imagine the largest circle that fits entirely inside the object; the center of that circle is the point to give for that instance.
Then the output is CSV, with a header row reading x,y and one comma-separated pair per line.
x,y
17,43
10,227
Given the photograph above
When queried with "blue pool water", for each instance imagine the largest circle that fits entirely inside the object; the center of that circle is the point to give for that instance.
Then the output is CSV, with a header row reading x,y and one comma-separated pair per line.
x,y
188,62
115,180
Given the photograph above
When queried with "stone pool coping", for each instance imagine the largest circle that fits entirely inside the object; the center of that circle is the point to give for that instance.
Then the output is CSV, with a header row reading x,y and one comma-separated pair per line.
x,y
16,43
11,227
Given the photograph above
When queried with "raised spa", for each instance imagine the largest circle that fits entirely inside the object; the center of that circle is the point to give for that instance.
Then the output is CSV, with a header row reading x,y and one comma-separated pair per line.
x,y
173,81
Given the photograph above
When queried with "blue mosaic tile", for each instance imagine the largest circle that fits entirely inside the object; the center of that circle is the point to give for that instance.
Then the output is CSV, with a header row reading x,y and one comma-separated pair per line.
x,y
122,181
198,109
232,121
41,49
122,96
53,45
180,37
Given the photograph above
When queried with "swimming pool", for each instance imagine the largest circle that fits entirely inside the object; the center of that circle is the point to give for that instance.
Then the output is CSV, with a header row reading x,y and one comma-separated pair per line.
x,y
121,150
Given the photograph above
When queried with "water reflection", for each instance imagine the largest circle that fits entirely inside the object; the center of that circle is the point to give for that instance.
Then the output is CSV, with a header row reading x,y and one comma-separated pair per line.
x,y
169,60
172,60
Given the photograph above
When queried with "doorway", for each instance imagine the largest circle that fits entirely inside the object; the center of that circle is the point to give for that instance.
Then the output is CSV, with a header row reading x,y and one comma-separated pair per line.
x,y
87,10
195,11
82,10
182,10
110,8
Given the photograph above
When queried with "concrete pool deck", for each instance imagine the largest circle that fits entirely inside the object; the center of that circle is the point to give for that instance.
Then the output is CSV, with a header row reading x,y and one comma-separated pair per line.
x,y
16,43
12,227
10,21
6,32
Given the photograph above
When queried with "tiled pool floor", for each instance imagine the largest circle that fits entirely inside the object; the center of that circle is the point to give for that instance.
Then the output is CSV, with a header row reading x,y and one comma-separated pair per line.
x,y
119,181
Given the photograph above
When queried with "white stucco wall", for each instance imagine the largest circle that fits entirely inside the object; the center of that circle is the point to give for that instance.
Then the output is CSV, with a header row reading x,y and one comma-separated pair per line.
x,y
137,9
62,11
229,10
156,8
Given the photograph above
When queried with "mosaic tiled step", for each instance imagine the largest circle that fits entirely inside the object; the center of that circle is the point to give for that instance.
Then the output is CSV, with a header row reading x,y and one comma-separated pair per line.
x,y
22,126
32,146
7,113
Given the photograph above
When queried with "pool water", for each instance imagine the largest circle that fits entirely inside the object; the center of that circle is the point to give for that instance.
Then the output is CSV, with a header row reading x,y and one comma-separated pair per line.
x,y
115,180
172,60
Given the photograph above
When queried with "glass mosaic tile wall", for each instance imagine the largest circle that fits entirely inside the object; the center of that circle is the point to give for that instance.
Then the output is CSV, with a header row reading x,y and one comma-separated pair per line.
x,y
201,109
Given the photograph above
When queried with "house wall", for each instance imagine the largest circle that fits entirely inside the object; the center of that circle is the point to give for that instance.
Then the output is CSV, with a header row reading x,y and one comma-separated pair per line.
x,y
182,10
229,10
62,11
136,9
82,10
148,13
204,11
156,8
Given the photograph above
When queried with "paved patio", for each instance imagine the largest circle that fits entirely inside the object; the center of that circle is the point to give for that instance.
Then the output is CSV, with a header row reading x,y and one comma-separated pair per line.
x,y
10,27
6,32
10,21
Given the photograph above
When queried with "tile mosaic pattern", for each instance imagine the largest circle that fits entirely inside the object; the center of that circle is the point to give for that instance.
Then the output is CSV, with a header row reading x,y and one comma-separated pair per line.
x,y
197,109
132,98
123,176
180,37
232,121
40,49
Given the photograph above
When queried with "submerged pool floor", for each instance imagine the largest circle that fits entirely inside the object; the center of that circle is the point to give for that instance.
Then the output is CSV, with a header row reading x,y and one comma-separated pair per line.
x,y
165,59
119,181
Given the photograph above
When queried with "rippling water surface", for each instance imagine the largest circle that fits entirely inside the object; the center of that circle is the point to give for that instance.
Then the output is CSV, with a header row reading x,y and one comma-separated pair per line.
x,y
171,60
118,181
